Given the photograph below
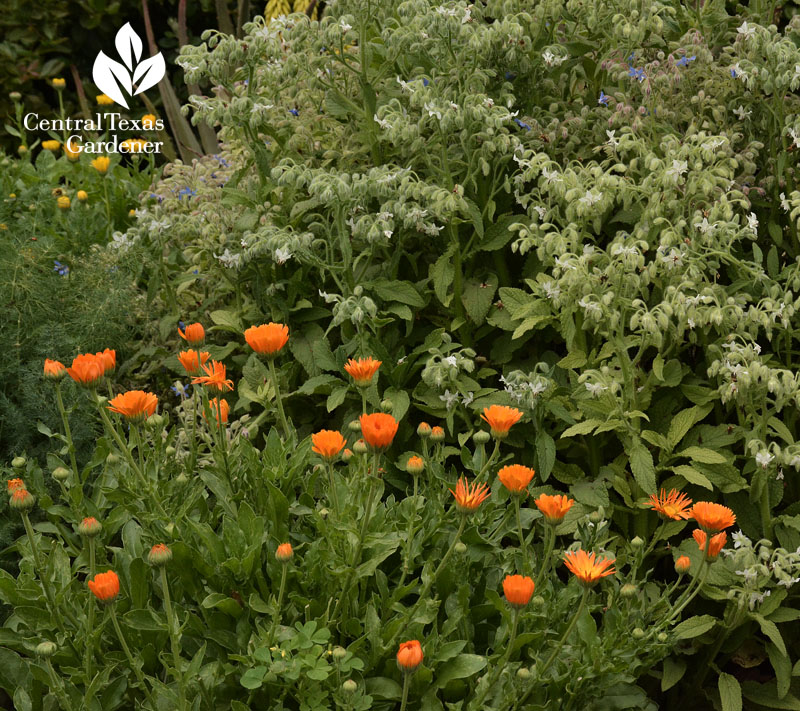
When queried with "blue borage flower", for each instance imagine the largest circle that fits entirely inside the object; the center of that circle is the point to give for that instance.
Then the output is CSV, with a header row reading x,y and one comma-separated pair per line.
x,y
684,61
294,112
636,74
189,192
62,269
511,76
522,124
179,389
425,82
603,99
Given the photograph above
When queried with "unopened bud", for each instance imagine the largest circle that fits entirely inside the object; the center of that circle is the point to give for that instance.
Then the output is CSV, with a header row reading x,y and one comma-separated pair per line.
x,y
386,405
159,555
628,590
595,517
537,601
415,465
21,500
156,421
15,96
90,527
60,474
18,462
170,451
112,459
460,547
360,447
339,653
355,426
347,455
638,633
46,649
662,637
437,434
637,542
523,673
481,437
349,687
284,553
182,478
424,429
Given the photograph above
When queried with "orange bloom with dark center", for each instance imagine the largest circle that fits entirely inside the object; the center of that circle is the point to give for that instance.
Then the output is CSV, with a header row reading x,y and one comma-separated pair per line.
x,y
284,553
105,586
268,338
684,562
193,360
712,517
87,369
670,506
134,405
194,333
14,484
518,590
715,546
216,408
378,429
214,377
554,508
409,656
515,477
362,370
327,443
108,358
586,568
500,419
54,370
469,496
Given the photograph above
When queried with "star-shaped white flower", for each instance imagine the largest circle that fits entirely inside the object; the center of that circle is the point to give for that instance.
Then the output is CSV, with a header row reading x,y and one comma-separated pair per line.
x,y
746,30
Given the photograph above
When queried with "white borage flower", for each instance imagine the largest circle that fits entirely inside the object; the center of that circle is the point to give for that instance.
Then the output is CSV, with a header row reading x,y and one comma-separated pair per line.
x,y
590,307
551,291
739,539
625,251
591,198
330,298
488,103
467,15
747,31
715,143
788,582
785,203
453,106
282,255
449,399
742,113
551,176
383,123
228,259
738,73
595,388
763,459
779,475
752,222
405,86
690,323
679,167
433,111
446,11
795,461
159,225
749,574
564,263
388,234
467,399
612,140
758,598
795,138
551,59
540,211
345,27
451,360
537,388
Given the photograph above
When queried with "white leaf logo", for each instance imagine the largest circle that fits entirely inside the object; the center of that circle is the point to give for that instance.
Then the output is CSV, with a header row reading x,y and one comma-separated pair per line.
x,y
112,77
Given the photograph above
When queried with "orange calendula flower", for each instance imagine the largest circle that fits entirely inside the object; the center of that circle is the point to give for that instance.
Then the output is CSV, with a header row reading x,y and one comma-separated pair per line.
x,y
14,484
284,553
194,333
670,506
267,339
518,590
437,434
90,527
415,465
362,370
159,555
586,568
409,656
715,546
500,419
105,586
469,496
149,122
554,508
214,377
515,477
109,359
378,429
53,369
712,517
134,405
21,499
193,360
217,408
327,443
87,369
684,562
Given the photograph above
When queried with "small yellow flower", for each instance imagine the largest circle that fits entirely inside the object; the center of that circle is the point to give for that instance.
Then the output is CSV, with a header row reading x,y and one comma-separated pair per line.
x,y
83,196
22,150
51,146
149,122
101,163
133,145
104,100
73,155
131,213
63,202
59,83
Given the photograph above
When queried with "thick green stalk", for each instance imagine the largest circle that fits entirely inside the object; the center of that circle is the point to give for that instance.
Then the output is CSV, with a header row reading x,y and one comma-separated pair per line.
x,y
522,545
57,686
277,616
488,462
40,571
334,494
67,431
173,636
549,543
501,665
404,701
126,649
90,615
274,375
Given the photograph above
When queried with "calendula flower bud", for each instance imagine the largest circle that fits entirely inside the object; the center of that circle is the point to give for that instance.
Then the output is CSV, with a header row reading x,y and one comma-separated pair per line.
x,y
360,447
22,150
386,405
170,451
159,555
46,649
460,547
347,454
284,553
662,637
22,500
339,653
18,462
424,429
628,590
415,465
60,474
15,96
537,601
182,478
437,434
349,687
523,673
637,542
89,527
595,517
481,437
156,421
683,564
638,633
354,426
82,196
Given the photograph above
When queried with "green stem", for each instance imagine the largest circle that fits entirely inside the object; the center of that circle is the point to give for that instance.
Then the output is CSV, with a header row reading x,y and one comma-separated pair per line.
x,y
334,494
766,516
526,564
124,644
57,686
276,617
488,462
67,431
173,636
499,667
549,543
109,226
406,680
700,579
194,428
90,616
278,403
410,536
